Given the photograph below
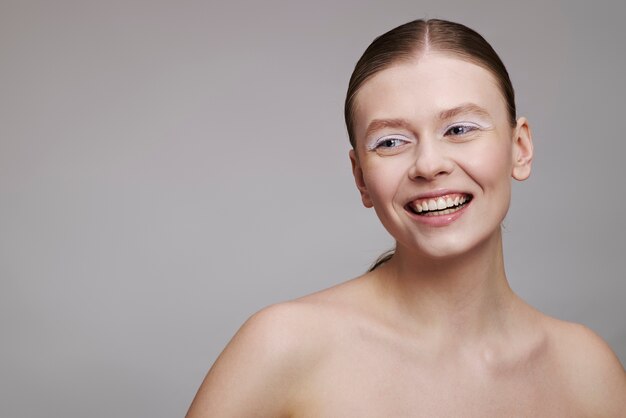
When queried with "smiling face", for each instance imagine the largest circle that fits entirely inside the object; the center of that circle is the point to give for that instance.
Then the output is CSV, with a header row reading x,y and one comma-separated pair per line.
x,y
435,153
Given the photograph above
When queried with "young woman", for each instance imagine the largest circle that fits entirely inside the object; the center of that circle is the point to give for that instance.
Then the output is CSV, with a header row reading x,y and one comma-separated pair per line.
x,y
433,329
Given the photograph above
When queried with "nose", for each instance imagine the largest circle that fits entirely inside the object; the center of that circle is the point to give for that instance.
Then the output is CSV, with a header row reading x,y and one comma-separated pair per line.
x,y
431,161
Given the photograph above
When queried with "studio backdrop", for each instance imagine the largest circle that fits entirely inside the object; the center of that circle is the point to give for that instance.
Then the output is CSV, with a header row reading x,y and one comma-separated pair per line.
x,y
168,168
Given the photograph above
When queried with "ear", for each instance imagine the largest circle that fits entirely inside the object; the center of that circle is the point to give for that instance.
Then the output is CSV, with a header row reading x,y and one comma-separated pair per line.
x,y
522,150
358,179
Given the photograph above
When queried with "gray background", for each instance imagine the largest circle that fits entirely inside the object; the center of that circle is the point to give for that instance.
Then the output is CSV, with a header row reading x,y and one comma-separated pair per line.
x,y
167,168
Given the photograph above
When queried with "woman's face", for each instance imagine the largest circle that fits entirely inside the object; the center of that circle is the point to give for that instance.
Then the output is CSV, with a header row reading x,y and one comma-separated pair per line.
x,y
435,153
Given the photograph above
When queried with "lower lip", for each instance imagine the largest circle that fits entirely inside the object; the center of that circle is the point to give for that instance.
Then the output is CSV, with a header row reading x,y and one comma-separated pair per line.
x,y
439,220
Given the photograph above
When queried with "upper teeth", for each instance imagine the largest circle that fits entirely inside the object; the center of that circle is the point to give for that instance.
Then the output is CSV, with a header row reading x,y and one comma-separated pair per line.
x,y
439,203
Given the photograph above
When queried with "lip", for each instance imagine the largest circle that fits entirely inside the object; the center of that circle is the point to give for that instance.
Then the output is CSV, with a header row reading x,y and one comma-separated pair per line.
x,y
436,193
438,220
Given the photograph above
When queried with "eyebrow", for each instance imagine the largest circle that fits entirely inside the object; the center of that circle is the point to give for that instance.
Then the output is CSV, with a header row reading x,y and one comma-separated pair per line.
x,y
464,108
378,124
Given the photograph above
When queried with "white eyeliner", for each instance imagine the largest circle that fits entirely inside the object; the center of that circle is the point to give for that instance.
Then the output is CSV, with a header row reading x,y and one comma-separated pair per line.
x,y
373,145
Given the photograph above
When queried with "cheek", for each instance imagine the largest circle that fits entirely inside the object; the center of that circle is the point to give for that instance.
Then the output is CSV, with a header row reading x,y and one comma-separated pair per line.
x,y
379,185
383,181
491,169
491,165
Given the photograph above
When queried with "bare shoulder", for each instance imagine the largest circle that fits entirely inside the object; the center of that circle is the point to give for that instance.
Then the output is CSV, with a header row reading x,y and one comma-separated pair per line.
x,y
591,368
260,368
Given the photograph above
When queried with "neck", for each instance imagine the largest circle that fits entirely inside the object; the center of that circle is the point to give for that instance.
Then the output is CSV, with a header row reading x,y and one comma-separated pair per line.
x,y
466,297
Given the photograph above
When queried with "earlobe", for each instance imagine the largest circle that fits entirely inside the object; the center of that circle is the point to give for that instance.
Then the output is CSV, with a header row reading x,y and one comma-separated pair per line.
x,y
359,180
522,150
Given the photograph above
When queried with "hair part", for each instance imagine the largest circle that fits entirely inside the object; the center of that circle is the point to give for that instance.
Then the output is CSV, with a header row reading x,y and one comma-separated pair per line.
x,y
409,41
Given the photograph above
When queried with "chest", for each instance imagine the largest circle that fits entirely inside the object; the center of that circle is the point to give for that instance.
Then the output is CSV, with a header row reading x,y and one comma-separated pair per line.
x,y
374,381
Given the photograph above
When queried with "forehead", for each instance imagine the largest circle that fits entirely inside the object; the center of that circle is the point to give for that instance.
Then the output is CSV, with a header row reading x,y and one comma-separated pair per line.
x,y
421,89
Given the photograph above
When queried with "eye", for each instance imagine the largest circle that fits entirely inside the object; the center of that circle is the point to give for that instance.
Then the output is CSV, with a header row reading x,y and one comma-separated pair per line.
x,y
460,129
387,143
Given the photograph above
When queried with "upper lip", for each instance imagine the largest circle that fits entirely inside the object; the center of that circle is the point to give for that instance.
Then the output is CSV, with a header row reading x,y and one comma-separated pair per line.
x,y
437,193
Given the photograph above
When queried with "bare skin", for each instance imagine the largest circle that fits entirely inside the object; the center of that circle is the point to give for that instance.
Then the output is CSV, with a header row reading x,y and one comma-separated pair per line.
x,y
347,352
436,331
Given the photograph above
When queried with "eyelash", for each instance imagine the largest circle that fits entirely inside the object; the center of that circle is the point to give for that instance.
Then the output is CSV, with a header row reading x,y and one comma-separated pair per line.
x,y
469,128
380,142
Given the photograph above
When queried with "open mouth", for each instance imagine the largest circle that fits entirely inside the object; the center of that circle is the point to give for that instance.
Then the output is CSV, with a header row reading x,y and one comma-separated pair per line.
x,y
442,205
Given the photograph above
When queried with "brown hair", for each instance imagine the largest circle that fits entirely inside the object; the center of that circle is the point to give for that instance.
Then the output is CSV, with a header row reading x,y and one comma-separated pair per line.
x,y
406,43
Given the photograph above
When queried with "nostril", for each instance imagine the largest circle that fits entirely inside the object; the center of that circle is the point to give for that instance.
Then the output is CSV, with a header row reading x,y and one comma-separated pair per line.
x,y
428,173
430,162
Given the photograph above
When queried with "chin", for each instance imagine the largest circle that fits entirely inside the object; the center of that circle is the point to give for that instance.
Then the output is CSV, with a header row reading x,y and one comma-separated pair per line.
x,y
453,246
443,253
